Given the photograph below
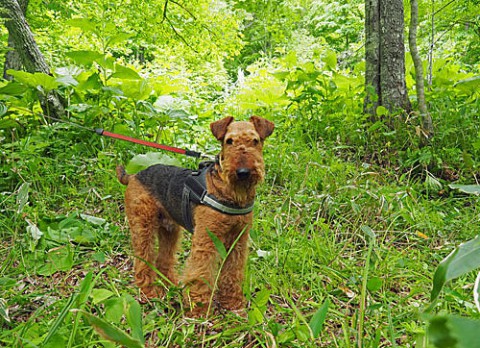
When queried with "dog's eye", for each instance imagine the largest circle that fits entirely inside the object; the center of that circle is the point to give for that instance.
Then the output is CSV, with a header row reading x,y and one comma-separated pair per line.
x,y
255,142
229,141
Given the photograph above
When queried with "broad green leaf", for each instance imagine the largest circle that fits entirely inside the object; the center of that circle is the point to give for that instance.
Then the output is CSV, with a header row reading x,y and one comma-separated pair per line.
x,y
114,309
255,316
93,219
36,80
67,81
470,189
13,88
136,89
462,260
218,245
85,289
8,123
374,284
316,323
282,75
302,332
110,332
453,331
140,162
470,85
93,82
133,313
58,259
107,63
85,24
22,196
100,295
85,57
118,38
381,111
177,113
122,72
262,297
330,60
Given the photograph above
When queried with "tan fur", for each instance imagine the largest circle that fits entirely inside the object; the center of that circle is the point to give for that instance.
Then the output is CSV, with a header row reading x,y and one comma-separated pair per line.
x,y
242,144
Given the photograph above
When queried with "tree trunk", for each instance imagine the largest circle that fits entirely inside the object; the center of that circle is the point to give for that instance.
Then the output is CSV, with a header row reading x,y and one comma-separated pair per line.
x,y
29,53
385,56
427,125
372,56
12,58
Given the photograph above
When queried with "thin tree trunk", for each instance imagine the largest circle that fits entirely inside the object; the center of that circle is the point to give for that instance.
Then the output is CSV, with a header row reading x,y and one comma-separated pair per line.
x,y
385,57
392,65
12,58
422,105
372,57
31,57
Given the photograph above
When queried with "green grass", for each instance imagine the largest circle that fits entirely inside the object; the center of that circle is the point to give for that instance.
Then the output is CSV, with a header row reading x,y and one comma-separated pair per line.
x,y
362,238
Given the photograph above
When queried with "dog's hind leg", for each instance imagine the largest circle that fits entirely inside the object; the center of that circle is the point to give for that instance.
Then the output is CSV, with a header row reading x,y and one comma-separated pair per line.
x,y
143,217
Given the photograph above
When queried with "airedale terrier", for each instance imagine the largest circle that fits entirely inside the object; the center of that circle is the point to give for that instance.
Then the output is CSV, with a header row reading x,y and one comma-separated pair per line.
x,y
217,199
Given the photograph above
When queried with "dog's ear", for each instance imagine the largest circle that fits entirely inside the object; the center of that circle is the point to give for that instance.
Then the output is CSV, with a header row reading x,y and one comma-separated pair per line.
x,y
263,127
219,128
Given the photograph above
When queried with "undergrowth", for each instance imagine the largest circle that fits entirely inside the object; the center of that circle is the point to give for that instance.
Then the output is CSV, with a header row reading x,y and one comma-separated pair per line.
x,y
352,234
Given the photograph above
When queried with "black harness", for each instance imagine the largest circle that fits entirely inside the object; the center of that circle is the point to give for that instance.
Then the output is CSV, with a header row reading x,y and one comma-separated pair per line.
x,y
195,192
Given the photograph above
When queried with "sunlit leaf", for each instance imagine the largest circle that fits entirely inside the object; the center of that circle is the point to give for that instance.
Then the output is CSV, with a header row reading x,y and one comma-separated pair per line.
x,y
142,161
118,38
374,284
85,24
13,88
123,72
37,79
462,260
470,189
454,332
218,245
316,323
85,57
22,196
470,85
110,332
330,60
58,259
100,295
93,219
133,313
381,110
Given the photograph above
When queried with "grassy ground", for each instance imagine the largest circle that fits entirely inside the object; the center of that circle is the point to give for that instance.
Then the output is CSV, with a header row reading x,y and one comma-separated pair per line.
x,y
359,238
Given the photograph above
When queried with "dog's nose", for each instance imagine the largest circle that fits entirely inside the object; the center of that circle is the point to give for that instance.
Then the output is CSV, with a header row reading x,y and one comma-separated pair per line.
x,y
243,173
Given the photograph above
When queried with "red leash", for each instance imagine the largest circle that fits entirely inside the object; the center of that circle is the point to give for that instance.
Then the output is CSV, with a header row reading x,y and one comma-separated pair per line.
x,y
186,152
100,131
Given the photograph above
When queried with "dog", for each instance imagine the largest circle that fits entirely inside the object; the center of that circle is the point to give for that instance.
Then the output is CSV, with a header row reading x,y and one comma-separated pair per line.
x,y
214,203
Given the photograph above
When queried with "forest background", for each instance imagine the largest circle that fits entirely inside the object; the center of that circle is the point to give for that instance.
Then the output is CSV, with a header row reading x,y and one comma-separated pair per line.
x,y
360,204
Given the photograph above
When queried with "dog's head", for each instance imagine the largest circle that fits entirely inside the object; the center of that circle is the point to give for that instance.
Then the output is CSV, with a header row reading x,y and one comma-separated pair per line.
x,y
241,160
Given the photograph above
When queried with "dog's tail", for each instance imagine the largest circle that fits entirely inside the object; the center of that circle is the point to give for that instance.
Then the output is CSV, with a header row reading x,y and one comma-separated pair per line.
x,y
122,175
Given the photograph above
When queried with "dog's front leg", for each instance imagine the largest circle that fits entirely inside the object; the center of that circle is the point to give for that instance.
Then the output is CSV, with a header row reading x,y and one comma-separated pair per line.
x,y
200,271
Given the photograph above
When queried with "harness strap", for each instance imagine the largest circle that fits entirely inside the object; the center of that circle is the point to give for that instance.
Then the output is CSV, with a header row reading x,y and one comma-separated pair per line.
x,y
195,192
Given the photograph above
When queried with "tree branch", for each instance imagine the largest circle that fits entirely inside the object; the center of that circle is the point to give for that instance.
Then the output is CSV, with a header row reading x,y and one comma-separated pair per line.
x,y
417,62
